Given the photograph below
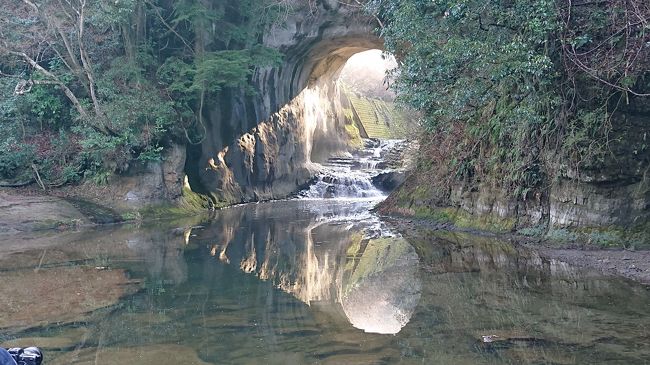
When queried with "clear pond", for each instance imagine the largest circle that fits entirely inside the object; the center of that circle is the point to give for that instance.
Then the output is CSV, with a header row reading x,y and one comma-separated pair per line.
x,y
309,282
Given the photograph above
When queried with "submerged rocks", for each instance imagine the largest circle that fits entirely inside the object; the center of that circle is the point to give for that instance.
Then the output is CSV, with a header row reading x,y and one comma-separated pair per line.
x,y
63,294
142,355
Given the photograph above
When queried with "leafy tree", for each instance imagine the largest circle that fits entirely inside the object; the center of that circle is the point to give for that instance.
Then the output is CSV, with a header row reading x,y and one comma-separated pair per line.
x,y
503,84
90,88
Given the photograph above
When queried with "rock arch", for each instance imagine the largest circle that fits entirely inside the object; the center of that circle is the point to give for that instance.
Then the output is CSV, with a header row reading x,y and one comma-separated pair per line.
x,y
260,147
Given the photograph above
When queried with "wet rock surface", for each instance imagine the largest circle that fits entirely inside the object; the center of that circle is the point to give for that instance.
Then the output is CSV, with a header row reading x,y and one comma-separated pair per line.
x,y
612,193
389,181
20,212
143,185
59,295
634,265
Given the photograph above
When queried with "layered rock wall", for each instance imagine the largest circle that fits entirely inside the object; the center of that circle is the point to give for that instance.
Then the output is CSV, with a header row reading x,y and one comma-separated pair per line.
x,y
262,146
613,191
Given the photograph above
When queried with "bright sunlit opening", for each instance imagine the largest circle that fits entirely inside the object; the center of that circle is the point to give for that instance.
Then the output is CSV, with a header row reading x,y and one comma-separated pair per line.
x,y
365,73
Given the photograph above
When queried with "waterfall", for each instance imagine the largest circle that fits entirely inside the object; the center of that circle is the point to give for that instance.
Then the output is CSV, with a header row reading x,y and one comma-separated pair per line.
x,y
351,176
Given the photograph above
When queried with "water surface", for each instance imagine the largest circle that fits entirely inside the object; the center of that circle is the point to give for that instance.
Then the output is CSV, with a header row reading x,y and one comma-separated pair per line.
x,y
309,282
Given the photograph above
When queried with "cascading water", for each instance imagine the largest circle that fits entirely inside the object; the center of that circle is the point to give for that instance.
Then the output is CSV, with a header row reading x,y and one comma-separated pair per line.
x,y
351,176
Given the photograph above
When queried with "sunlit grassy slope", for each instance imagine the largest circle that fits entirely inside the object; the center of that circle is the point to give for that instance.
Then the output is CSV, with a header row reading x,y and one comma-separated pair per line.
x,y
377,118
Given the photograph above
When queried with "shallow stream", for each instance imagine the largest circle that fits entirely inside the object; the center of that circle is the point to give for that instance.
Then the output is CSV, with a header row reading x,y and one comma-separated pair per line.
x,y
309,282
315,280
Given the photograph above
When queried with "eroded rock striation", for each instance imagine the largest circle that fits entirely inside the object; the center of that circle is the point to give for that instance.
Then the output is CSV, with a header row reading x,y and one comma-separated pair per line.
x,y
612,192
262,146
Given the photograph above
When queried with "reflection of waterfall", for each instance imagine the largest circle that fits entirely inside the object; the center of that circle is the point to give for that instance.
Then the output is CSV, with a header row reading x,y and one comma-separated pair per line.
x,y
351,176
304,248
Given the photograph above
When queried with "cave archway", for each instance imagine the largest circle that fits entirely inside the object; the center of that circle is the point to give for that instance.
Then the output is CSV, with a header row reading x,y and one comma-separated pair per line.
x,y
314,60
293,112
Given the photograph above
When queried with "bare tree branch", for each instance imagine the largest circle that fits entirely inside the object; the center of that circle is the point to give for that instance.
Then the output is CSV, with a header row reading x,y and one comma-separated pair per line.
x,y
85,61
171,29
54,80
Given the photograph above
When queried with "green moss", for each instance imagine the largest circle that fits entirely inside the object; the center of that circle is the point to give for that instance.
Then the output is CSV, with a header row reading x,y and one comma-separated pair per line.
x,y
462,219
192,201
637,237
421,193
354,137
485,222
562,235
614,236
430,213
536,231
189,203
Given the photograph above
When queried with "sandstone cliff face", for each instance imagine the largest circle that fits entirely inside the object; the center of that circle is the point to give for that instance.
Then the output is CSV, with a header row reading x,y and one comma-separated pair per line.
x,y
262,146
615,192
612,193
143,185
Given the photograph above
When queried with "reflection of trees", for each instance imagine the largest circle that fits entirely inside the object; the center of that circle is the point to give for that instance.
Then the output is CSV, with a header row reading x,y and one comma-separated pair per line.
x,y
153,250
455,252
543,311
162,256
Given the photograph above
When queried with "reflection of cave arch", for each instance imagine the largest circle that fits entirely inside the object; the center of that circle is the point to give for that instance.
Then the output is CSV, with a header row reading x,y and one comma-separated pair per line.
x,y
373,283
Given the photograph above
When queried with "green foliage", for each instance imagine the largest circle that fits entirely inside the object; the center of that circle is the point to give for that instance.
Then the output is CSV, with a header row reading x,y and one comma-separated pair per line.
x,y
212,72
13,158
100,177
536,231
138,115
45,107
153,65
110,13
485,64
501,96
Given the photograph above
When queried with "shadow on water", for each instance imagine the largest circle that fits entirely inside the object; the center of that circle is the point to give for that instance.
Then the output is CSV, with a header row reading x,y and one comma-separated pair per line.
x,y
310,282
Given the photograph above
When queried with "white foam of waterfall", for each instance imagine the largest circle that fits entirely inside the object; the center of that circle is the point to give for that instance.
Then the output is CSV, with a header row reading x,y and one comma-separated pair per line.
x,y
350,177
342,183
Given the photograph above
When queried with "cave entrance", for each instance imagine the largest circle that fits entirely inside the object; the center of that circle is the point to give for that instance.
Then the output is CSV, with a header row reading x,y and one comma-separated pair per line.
x,y
350,84
371,162
367,101
313,120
